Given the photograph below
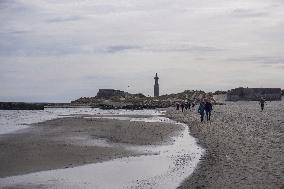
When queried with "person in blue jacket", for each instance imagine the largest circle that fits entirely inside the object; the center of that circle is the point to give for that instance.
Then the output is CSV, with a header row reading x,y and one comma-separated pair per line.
x,y
201,110
208,108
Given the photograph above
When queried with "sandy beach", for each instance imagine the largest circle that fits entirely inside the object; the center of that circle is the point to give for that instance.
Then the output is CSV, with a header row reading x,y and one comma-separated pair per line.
x,y
244,146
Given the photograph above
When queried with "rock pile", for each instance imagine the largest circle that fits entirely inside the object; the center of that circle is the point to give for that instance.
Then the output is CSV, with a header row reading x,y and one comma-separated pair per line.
x,y
20,106
116,99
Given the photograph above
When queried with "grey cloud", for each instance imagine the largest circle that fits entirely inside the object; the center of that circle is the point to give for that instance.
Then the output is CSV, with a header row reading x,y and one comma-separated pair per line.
x,y
268,60
14,45
17,32
121,48
162,48
198,49
248,13
23,43
64,19
8,4
184,48
12,32
14,6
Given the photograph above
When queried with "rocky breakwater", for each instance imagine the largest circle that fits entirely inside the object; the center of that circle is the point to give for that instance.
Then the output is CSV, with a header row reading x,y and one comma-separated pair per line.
x,y
134,103
116,99
21,106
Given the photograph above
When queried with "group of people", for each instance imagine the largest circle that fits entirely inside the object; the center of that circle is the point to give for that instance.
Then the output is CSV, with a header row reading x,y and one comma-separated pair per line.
x,y
205,108
185,105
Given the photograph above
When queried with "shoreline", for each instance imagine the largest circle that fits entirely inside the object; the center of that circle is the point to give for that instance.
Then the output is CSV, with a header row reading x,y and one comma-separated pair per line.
x,y
242,146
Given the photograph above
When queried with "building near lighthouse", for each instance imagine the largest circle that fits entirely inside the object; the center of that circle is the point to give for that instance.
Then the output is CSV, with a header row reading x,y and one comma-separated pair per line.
x,y
254,94
156,86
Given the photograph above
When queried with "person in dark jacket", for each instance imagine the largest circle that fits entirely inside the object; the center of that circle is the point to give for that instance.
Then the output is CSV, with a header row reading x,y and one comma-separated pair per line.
x,y
208,108
192,104
182,106
188,104
177,106
262,102
201,110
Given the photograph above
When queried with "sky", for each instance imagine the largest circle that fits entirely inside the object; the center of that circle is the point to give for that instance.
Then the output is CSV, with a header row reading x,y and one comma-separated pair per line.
x,y
58,51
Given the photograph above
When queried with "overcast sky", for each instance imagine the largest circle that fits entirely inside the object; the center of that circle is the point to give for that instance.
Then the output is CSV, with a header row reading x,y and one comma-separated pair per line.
x,y
60,50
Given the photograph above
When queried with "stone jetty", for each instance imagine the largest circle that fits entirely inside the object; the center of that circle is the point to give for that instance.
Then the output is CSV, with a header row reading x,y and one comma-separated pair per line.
x,y
21,106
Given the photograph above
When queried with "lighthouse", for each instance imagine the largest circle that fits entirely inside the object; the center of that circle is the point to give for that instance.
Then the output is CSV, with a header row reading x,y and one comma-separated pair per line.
x,y
156,86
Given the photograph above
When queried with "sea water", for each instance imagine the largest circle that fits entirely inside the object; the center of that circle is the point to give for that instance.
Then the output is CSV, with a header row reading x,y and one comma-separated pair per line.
x,y
166,167
12,120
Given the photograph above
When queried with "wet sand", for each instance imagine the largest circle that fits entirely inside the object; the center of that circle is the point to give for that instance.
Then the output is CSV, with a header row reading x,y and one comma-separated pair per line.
x,y
244,147
69,142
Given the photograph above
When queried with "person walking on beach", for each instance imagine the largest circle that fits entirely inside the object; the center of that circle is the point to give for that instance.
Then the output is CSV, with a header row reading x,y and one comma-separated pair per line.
x,y
192,104
201,110
208,108
188,104
262,102
182,106
177,105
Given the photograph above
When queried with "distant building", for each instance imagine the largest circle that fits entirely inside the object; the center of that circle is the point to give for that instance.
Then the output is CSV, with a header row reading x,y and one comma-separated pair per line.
x,y
109,93
106,93
156,86
253,94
